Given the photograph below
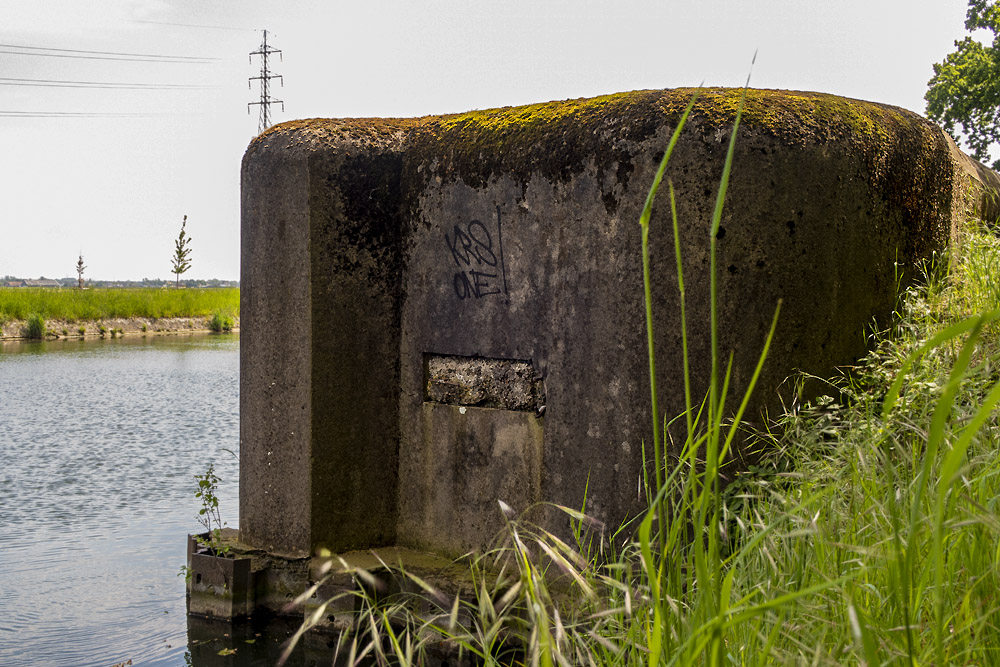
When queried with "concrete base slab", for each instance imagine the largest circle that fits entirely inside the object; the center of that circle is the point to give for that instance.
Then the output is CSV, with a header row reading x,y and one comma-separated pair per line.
x,y
218,586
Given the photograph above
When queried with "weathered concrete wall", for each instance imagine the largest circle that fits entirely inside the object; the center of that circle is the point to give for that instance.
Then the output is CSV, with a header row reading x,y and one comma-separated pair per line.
x,y
466,460
321,255
274,379
512,235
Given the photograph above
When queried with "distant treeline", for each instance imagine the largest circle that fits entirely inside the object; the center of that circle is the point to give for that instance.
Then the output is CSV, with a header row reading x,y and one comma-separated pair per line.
x,y
8,281
17,303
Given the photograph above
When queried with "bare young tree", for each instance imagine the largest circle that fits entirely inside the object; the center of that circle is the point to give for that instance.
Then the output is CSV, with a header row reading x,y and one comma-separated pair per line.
x,y
181,253
79,271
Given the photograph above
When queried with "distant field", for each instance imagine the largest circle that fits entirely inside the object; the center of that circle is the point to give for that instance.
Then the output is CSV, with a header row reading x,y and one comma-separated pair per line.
x,y
18,303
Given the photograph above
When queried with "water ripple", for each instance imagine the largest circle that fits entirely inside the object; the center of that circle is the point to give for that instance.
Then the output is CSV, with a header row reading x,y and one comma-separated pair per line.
x,y
100,443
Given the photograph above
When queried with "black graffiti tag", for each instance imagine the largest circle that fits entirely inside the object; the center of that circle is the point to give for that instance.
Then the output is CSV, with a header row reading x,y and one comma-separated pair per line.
x,y
475,284
471,248
472,243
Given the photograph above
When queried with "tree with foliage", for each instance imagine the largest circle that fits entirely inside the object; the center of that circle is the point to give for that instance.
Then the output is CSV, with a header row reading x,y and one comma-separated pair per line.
x,y
181,254
965,89
79,271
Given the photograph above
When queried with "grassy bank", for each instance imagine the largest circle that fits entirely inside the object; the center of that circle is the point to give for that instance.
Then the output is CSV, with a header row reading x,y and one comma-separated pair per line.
x,y
72,305
870,533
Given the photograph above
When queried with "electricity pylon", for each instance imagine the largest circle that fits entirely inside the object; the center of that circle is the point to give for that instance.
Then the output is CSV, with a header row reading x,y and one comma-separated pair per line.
x,y
264,119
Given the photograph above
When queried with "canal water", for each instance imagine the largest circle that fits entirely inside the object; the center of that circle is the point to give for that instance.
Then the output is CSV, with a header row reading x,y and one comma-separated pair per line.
x,y
99,445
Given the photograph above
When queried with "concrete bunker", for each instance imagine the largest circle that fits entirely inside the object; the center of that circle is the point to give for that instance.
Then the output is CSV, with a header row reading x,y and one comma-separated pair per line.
x,y
446,312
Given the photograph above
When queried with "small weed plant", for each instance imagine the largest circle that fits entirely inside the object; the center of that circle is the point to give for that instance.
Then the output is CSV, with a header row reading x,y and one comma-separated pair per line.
x,y
868,535
209,516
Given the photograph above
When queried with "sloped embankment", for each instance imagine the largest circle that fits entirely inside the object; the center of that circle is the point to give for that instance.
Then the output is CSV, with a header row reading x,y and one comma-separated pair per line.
x,y
17,329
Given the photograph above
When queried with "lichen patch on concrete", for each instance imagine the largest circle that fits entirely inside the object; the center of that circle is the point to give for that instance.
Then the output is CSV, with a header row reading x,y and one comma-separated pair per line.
x,y
487,383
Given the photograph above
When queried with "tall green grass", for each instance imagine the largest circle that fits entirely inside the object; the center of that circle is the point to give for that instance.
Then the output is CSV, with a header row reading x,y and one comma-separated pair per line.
x,y
870,533
97,304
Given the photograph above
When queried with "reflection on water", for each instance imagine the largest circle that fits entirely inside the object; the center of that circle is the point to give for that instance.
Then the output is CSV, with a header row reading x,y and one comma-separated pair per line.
x,y
99,444
252,643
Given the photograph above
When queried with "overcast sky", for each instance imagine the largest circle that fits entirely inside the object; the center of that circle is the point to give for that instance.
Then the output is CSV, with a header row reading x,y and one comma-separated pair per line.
x,y
111,171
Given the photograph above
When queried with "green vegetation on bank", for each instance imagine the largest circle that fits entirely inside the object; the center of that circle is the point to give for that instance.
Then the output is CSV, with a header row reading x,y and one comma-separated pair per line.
x,y
17,303
869,533
221,322
35,328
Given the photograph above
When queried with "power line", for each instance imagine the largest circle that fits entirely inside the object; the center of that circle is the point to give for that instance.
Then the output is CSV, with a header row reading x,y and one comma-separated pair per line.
x,y
55,83
102,55
135,60
106,53
196,25
264,119
87,114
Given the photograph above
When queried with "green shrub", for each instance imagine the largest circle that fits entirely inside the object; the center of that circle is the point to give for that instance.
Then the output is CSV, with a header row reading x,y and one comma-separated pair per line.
x,y
35,328
82,331
221,322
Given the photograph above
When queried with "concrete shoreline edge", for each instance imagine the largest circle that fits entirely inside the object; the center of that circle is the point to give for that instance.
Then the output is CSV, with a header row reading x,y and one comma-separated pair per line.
x,y
14,330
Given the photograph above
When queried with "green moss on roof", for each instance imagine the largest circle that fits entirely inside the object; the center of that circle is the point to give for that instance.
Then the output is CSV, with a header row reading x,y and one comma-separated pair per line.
x,y
556,140
554,136
794,114
376,132
789,114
